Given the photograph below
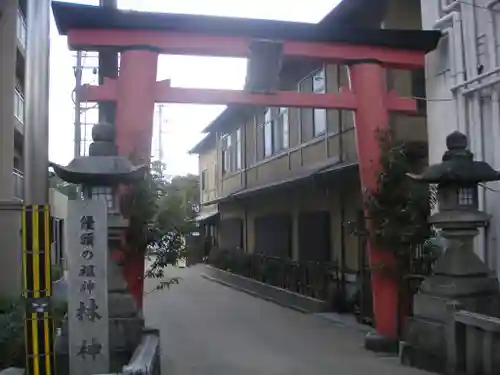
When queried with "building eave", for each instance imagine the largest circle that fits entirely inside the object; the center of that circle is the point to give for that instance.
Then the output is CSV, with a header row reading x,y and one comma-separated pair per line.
x,y
207,143
330,168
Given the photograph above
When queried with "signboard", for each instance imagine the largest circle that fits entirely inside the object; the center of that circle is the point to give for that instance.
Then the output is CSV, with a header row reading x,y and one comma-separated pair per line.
x,y
87,257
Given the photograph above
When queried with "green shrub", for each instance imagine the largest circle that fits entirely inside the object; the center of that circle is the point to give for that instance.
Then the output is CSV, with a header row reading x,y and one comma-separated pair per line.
x,y
220,259
242,264
12,352
56,273
12,346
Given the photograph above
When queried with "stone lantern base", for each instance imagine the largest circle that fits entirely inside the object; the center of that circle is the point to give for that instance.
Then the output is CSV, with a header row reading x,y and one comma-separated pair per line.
x,y
461,281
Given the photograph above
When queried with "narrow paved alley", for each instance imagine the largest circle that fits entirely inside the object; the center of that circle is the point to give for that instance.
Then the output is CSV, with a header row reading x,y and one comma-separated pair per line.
x,y
210,329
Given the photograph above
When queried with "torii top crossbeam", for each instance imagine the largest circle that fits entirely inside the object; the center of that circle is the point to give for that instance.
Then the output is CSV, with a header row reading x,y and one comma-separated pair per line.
x,y
230,37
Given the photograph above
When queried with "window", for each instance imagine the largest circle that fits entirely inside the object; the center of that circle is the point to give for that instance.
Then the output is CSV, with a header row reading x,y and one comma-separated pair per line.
x,y
284,119
215,176
57,240
21,29
319,120
268,134
204,182
238,149
19,106
226,156
275,131
316,82
418,89
231,152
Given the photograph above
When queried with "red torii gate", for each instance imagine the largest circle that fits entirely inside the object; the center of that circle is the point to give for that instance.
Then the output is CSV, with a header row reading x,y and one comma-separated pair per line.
x,y
141,37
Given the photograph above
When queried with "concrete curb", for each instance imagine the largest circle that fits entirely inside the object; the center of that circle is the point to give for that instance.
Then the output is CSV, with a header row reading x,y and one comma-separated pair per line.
x,y
254,294
336,319
340,321
267,292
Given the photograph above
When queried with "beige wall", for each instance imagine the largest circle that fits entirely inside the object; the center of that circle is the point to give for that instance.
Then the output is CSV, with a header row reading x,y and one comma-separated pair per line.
x,y
343,204
405,15
208,163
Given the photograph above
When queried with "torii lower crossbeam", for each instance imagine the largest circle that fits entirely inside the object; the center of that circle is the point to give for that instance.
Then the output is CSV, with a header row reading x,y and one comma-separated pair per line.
x,y
164,93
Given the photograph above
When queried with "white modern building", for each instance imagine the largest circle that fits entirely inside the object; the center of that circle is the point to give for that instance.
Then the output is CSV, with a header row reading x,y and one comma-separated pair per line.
x,y
462,83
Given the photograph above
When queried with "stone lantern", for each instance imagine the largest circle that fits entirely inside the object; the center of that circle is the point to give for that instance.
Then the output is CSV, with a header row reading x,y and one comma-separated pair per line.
x,y
459,276
99,175
102,169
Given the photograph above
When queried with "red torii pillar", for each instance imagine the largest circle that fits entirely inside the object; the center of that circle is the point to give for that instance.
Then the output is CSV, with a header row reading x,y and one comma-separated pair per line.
x,y
369,84
135,101
137,90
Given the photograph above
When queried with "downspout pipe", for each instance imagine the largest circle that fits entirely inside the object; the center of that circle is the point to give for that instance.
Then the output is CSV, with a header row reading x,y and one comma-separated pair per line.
x,y
495,121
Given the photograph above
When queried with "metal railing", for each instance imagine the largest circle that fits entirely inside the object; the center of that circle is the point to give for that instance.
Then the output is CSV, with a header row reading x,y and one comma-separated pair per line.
x,y
313,279
18,180
21,29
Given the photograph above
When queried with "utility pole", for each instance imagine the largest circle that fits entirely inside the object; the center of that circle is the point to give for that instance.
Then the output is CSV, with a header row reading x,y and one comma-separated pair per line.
x,y
35,215
108,67
160,131
36,130
78,107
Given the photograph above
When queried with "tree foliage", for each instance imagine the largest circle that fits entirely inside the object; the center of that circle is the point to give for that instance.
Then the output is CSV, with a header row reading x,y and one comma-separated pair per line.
x,y
399,208
179,203
160,215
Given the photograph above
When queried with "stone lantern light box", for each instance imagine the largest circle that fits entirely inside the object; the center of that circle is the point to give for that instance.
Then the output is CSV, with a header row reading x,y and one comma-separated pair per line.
x,y
457,177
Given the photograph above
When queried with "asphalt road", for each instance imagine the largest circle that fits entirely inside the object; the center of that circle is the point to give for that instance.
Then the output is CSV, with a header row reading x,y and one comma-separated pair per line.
x,y
210,329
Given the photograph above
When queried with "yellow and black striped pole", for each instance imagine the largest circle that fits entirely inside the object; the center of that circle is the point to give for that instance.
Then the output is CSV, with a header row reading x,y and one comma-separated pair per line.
x,y
37,281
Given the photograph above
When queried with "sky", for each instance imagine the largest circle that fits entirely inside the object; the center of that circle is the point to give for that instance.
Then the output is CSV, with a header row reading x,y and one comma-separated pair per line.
x,y
181,123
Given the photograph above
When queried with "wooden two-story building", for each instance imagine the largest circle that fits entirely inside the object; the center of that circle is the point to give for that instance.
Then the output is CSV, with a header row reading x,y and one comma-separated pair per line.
x,y
284,181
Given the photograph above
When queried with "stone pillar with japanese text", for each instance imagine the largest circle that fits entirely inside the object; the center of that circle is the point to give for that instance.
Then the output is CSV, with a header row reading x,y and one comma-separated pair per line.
x,y
87,258
104,324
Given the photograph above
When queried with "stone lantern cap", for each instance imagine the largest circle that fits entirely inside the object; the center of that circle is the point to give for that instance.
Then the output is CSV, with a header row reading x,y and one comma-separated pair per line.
x,y
100,171
458,166
103,167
